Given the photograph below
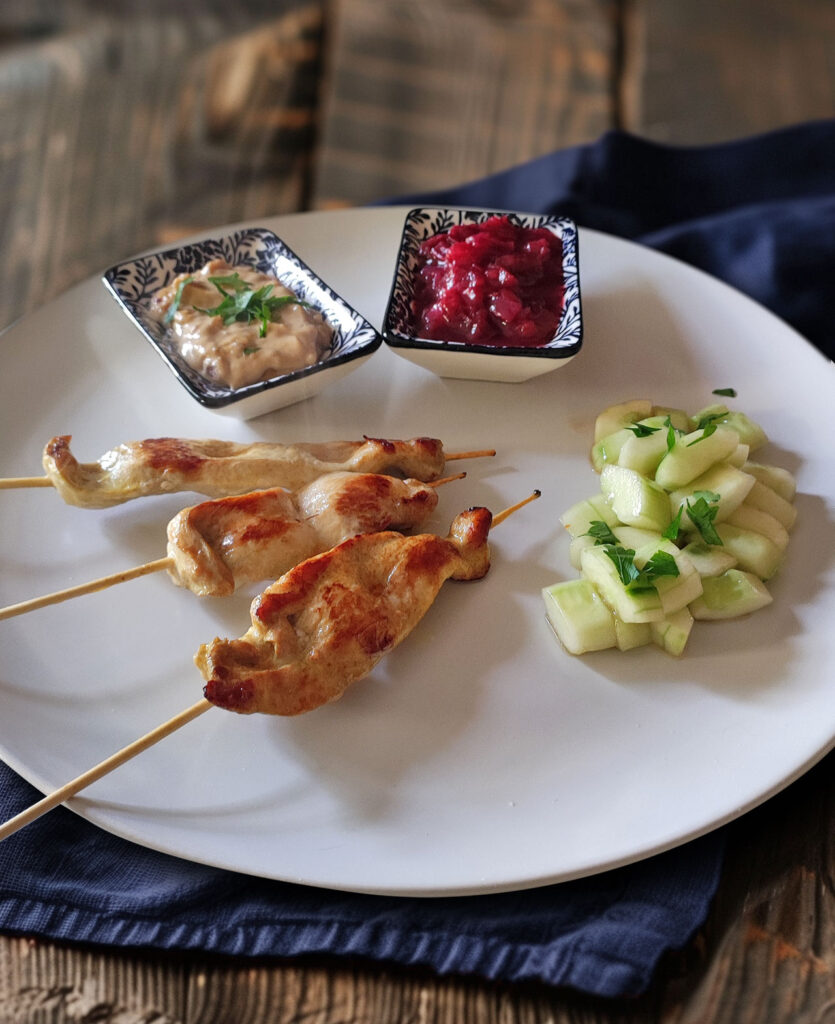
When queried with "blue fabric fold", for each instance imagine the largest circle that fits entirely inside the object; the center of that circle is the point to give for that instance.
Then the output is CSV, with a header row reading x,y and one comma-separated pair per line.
x,y
62,878
760,215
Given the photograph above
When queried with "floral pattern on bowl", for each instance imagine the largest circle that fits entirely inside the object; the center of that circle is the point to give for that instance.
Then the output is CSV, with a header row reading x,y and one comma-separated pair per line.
x,y
134,282
481,362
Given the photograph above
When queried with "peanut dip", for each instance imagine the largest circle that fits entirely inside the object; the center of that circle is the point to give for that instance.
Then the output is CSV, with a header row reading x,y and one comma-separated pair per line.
x,y
231,350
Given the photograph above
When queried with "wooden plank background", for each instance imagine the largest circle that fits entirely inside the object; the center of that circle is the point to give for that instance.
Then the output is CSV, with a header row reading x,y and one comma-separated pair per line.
x,y
422,95
125,124
128,124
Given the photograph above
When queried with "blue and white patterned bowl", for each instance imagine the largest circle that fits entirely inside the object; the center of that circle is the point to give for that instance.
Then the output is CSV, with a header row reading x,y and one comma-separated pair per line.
x,y
134,283
480,362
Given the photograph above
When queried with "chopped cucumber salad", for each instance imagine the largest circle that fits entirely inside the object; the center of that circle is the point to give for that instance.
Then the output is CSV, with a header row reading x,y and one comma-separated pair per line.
x,y
685,527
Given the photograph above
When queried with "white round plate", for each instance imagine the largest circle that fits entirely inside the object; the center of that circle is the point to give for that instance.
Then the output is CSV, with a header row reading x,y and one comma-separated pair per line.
x,y
478,756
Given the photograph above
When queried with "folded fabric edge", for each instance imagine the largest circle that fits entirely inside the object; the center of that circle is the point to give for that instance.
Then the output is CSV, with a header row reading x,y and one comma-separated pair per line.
x,y
453,955
601,968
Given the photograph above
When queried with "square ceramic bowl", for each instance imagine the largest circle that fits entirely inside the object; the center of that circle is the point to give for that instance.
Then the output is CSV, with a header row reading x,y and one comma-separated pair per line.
x,y
473,361
134,283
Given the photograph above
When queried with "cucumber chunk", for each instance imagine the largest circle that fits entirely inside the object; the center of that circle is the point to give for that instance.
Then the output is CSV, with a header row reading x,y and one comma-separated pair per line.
x,y
629,635
579,617
628,536
644,453
732,594
672,633
609,448
678,417
767,500
633,537
581,515
675,592
738,457
747,430
640,606
709,559
748,518
753,552
693,454
635,500
621,415
646,483
676,596
577,547
712,412
731,484
775,477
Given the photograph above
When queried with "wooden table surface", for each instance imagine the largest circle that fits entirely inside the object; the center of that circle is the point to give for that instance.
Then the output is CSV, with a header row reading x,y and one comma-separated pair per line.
x,y
127,124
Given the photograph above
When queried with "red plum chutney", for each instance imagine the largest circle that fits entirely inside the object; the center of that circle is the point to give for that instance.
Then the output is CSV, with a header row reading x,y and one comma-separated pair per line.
x,y
495,283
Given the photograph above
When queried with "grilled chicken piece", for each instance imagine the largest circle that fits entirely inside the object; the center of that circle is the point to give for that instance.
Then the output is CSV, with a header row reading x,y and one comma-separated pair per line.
x,y
328,621
163,465
219,545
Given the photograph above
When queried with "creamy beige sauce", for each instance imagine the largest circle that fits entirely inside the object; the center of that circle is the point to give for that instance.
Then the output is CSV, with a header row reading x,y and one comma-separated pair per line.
x,y
235,354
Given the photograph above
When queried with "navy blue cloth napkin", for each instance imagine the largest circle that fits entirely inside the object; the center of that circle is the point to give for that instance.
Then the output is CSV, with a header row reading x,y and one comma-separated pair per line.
x,y
62,878
761,215
758,213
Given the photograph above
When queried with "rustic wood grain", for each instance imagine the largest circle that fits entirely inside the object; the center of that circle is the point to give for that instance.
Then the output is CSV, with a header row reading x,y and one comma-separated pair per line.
x,y
42,983
125,125
699,73
419,96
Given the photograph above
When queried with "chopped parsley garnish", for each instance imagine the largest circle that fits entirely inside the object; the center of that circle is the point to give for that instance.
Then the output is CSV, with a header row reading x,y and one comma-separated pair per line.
x,y
710,419
624,559
171,312
245,304
702,512
661,564
671,533
233,281
601,532
671,434
707,495
709,428
725,392
642,430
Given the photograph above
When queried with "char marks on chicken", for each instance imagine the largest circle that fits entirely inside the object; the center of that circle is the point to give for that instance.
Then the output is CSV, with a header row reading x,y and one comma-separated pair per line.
x,y
165,465
327,622
219,545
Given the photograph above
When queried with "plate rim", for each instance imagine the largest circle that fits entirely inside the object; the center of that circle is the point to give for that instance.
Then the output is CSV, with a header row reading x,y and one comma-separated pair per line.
x,y
800,769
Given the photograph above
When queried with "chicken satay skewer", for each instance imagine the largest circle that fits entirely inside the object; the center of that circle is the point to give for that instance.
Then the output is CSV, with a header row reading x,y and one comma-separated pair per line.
x,y
216,546
327,622
9,483
76,785
164,465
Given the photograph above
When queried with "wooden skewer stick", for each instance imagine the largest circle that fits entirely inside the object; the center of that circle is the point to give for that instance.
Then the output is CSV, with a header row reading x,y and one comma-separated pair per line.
x,y
9,482
103,768
500,517
445,480
87,778
84,588
481,454
103,582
